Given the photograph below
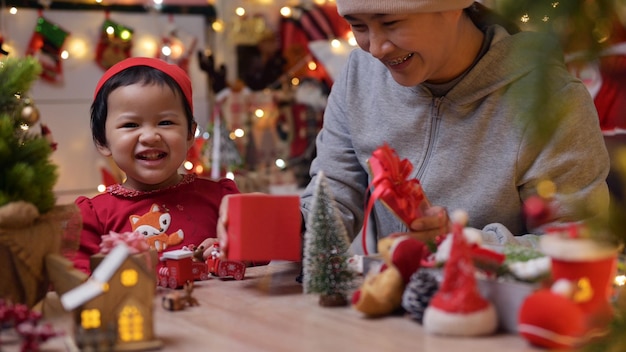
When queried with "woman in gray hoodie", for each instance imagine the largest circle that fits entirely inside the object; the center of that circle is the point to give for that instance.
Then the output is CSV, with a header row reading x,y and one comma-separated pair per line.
x,y
484,115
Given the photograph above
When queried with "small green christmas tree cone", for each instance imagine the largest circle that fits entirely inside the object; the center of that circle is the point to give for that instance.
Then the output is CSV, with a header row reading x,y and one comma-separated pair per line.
x,y
325,266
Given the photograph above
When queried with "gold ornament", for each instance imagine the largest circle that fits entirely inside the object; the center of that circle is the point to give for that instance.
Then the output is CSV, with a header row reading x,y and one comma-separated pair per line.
x,y
30,114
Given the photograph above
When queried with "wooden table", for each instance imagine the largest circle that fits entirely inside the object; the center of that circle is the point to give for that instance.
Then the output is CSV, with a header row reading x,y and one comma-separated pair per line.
x,y
267,311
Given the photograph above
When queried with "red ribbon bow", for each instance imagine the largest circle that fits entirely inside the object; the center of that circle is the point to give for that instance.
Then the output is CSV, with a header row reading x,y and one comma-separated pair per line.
x,y
403,196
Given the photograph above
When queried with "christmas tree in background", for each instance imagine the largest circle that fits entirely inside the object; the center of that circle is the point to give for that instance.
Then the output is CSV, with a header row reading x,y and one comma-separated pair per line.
x,y
326,243
27,174
32,226
581,25
229,157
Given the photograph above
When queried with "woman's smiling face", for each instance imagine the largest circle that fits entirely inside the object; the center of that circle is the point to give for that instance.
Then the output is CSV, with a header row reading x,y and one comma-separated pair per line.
x,y
147,135
415,47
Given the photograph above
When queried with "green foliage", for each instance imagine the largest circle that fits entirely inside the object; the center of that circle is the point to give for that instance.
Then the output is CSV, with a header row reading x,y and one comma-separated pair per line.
x,y
518,253
17,76
614,341
581,25
27,173
584,28
326,243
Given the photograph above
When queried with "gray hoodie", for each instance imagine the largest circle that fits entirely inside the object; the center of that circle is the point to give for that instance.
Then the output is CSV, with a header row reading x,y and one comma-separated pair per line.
x,y
482,147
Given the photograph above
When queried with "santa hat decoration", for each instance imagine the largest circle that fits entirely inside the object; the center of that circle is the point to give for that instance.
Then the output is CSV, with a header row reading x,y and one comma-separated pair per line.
x,y
458,309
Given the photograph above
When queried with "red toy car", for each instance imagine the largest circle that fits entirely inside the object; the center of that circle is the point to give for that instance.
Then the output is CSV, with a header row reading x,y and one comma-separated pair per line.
x,y
177,267
180,266
225,268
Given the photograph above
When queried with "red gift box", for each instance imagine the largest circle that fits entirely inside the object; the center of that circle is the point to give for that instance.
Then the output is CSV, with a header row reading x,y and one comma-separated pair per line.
x,y
264,227
393,187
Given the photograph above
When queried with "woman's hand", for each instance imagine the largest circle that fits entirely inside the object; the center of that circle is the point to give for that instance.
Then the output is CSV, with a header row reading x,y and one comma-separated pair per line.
x,y
435,222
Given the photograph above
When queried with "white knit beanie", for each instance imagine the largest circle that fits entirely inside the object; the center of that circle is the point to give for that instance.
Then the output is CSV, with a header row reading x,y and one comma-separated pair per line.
x,y
399,6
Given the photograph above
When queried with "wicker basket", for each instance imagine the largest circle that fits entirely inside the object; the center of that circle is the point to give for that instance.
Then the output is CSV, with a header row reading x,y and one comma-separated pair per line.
x,y
23,251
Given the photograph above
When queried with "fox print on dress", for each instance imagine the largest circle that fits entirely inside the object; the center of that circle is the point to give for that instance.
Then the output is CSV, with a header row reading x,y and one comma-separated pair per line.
x,y
154,225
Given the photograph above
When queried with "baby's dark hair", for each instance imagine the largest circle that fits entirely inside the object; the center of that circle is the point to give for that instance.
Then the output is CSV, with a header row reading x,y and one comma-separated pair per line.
x,y
133,75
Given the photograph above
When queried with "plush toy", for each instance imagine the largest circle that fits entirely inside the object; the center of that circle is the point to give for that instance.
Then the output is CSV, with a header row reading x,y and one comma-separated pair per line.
x,y
458,309
381,292
576,307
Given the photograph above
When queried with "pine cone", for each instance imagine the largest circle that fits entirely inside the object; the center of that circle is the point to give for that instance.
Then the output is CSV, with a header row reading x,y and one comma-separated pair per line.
x,y
417,294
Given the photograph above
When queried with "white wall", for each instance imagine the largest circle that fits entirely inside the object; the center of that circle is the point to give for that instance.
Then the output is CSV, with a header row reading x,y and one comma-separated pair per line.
x,y
65,107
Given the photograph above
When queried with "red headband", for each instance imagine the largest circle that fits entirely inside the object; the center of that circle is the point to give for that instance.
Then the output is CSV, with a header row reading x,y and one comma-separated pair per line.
x,y
173,71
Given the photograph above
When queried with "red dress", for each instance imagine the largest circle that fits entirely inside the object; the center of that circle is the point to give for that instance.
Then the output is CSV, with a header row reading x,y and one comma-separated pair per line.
x,y
186,213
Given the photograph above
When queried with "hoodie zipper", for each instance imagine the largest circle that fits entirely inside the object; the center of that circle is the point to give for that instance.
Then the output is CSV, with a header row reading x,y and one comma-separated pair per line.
x,y
434,130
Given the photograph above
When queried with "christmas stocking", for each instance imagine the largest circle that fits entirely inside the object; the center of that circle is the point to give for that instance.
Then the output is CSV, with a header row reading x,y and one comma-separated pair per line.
x,y
582,270
46,44
115,44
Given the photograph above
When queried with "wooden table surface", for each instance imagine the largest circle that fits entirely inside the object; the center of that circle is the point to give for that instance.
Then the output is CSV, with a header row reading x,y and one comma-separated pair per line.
x,y
267,311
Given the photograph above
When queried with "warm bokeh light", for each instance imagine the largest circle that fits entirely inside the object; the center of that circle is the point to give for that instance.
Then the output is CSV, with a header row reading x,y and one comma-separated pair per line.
x,y
13,10
9,47
65,55
239,133
240,11
312,65
218,26
176,50
280,163
259,113
525,18
166,50
145,45
546,189
285,11
102,188
125,34
77,47
351,39
188,165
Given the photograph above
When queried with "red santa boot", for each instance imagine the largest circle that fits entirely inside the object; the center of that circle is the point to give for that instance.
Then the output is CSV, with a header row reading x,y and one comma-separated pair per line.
x,y
582,270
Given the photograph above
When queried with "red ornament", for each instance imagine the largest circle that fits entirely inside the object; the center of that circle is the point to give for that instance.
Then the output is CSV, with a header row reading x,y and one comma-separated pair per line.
x,y
551,321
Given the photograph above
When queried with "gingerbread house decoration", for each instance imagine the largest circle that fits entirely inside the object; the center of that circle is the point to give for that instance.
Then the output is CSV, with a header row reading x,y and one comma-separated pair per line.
x,y
114,307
